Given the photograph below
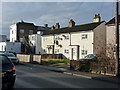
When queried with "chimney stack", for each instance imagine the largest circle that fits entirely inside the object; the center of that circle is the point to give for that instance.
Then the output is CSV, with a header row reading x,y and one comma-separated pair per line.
x,y
97,18
71,23
57,26
52,28
45,25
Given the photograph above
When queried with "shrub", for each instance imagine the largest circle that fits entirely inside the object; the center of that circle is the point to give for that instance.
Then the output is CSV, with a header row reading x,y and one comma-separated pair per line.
x,y
65,61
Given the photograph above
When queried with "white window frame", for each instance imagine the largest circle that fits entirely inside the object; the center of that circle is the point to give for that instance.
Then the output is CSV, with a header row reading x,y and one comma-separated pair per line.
x,y
67,37
57,38
12,31
44,39
84,36
84,52
56,51
66,51
45,50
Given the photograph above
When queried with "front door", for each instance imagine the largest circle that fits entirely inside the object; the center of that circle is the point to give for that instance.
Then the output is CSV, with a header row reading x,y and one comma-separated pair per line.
x,y
73,54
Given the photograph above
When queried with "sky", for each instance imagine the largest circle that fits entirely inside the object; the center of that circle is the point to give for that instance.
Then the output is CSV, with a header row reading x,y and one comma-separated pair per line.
x,y
50,13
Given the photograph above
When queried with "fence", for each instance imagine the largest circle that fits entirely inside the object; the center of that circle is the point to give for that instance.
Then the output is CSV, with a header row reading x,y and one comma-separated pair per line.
x,y
38,58
29,58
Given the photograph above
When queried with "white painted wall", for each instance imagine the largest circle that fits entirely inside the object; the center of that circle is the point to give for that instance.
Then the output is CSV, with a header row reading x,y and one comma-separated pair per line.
x,y
13,36
85,44
10,46
46,41
76,40
35,39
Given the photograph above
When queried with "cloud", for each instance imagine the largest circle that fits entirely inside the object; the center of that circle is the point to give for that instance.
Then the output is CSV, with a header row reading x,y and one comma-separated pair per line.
x,y
52,12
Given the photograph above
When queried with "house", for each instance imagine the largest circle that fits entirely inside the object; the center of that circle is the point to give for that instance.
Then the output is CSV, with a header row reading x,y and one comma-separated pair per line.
x,y
3,38
35,39
110,34
75,41
10,46
20,31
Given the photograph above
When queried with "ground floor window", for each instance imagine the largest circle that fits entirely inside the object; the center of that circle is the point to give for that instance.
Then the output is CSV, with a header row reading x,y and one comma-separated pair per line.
x,y
84,52
56,51
66,51
45,50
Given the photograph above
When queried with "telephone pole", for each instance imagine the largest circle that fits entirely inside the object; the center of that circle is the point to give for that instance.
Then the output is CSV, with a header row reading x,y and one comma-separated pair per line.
x,y
117,37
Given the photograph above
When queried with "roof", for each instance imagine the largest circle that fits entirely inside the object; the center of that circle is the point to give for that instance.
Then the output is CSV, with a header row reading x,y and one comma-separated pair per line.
x,y
25,23
112,21
77,28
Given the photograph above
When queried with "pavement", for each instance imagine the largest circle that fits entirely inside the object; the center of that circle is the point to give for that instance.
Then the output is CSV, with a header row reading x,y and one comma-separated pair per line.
x,y
61,69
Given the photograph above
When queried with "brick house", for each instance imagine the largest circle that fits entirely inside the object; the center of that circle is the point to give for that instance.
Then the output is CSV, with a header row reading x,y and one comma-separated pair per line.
x,y
21,30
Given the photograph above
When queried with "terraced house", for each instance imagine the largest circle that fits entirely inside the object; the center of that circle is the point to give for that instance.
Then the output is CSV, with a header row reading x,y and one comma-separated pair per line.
x,y
76,41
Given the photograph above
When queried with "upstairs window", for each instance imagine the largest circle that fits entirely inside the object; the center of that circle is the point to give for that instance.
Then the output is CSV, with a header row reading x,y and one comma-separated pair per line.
x,y
84,36
67,37
44,39
57,38
12,31
30,32
21,31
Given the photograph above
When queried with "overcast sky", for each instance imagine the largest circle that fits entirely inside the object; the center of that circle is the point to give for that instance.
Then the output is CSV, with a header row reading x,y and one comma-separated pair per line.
x,y
52,12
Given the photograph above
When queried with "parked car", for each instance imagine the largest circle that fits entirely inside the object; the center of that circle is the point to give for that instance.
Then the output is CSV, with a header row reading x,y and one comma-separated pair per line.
x,y
12,57
8,52
8,72
92,57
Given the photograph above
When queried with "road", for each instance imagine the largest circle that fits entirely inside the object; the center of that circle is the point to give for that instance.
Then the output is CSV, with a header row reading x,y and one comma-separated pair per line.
x,y
38,77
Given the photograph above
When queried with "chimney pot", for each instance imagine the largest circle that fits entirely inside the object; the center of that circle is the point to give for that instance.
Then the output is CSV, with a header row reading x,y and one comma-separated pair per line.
x,y
71,23
57,26
52,28
45,25
97,18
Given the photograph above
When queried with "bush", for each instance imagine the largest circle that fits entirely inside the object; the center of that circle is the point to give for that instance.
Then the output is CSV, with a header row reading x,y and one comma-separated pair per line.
x,y
65,61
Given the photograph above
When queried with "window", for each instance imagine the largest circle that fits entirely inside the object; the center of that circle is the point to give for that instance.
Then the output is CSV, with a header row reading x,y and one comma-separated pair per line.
x,y
56,51
33,37
45,50
5,48
30,32
2,48
84,36
12,39
45,39
66,51
84,52
21,31
12,31
67,37
21,40
57,38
